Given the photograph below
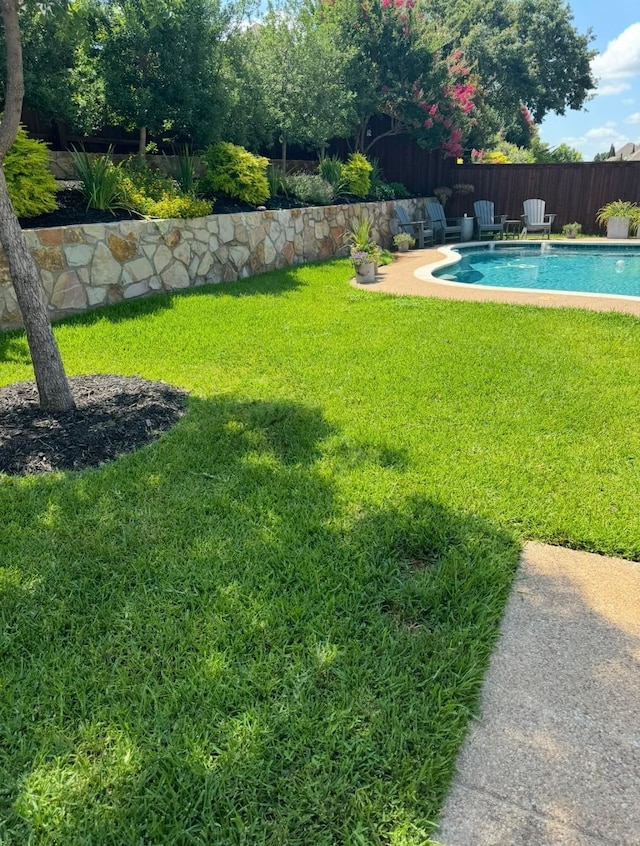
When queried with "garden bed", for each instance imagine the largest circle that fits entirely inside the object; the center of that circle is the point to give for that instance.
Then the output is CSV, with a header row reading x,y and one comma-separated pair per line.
x,y
72,210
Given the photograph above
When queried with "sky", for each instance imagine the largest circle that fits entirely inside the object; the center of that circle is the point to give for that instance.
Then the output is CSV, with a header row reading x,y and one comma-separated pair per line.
x,y
613,115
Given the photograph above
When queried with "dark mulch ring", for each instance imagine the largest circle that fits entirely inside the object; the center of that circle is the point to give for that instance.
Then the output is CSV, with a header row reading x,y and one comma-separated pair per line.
x,y
114,415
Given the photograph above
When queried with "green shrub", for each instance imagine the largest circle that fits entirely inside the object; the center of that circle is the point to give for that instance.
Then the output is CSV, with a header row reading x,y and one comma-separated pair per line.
x,y
310,188
31,186
399,191
236,172
356,173
184,206
100,181
153,194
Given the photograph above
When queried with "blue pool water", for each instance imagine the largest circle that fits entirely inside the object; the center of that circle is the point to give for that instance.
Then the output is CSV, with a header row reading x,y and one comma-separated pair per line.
x,y
588,269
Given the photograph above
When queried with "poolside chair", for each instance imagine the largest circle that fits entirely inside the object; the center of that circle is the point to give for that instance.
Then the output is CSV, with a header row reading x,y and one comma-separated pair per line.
x,y
416,228
534,219
487,221
442,225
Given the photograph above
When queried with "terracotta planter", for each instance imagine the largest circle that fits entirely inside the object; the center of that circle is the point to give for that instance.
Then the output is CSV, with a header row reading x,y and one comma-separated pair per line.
x,y
366,273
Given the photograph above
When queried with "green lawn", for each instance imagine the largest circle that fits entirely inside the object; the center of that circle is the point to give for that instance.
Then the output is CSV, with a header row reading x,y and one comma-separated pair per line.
x,y
270,626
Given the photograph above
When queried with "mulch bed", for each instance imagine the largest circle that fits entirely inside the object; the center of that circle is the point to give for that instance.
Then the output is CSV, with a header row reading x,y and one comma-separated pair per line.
x,y
114,415
72,210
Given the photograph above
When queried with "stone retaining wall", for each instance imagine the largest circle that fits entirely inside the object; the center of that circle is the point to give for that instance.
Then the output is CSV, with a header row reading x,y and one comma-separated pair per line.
x,y
82,267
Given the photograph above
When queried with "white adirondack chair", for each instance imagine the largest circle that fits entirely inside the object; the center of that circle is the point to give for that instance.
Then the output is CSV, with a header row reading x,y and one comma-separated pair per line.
x,y
534,219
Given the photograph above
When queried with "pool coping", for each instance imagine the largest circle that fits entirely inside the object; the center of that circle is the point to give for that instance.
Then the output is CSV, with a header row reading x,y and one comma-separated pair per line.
x,y
410,274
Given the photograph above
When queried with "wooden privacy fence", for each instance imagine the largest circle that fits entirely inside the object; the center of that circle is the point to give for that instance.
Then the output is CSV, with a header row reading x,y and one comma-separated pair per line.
x,y
571,191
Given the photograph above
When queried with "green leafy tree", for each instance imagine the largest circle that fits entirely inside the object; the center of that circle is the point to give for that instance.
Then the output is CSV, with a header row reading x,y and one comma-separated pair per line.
x,y
401,72
526,53
301,79
609,154
61,77
161,62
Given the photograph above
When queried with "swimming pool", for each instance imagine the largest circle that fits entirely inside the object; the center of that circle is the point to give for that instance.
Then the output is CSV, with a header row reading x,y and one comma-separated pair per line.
x,y
588,268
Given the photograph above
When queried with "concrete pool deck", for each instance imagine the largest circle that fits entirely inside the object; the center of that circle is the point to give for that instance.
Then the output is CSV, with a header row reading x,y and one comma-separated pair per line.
x,y
400,278
554,758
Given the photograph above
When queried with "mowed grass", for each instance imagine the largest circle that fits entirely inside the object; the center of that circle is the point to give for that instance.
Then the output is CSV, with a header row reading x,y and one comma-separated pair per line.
x,y
271,625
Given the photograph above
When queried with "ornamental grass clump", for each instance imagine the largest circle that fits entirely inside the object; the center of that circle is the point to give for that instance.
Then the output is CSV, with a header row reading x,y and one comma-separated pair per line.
x,y
619,208
100,180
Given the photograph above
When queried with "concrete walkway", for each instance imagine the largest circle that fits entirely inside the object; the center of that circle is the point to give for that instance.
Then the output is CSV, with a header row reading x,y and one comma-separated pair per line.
x,y
554,759
409,274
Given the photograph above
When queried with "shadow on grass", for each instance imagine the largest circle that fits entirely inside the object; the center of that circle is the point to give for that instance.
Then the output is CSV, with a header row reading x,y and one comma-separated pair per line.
x,y
14,348
217,640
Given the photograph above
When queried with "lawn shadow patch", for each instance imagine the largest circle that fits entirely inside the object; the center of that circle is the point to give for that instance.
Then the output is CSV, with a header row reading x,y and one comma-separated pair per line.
x,y
206,654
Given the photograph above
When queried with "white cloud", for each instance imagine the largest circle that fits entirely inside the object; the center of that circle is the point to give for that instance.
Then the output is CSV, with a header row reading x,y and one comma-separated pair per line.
x,y
634,118
598,139
628,101
612,88
621,59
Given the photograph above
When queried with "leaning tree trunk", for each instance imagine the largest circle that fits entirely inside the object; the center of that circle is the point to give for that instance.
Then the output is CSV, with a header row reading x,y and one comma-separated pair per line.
x,y
51,379
53,387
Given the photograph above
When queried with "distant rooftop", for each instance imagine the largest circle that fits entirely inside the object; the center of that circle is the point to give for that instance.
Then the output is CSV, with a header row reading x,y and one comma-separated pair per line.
x,y
628,153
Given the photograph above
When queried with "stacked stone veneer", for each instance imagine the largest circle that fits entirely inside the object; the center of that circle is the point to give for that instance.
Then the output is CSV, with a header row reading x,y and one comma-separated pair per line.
x,y
82,267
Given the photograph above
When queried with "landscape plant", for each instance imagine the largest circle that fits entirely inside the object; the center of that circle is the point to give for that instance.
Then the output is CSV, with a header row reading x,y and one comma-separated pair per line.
x,y
236,172
404,238
330,169
153,193
310,188
100,180
31,186
356,175
619,208
572,230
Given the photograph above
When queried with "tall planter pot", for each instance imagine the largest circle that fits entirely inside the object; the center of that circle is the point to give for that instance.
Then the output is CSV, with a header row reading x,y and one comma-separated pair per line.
x,y
366,273
618,227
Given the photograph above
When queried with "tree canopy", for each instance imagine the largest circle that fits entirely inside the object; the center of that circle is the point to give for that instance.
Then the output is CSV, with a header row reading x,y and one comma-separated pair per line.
x,y
468,73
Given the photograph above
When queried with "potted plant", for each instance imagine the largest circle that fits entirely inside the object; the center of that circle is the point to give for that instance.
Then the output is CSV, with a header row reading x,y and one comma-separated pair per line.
x,y
618,217
572,230
403,240
363,250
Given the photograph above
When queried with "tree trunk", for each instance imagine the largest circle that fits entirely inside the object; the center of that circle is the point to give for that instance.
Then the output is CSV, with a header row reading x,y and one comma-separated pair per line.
x,y
284,156
53,387
142,143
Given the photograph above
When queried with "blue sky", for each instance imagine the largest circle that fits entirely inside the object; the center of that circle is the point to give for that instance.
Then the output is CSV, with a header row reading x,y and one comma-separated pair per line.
x,y
613,115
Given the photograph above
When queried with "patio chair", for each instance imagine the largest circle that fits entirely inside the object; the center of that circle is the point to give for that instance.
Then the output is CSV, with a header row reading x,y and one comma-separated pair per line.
x,y
441,224
488,222
418,229
534,219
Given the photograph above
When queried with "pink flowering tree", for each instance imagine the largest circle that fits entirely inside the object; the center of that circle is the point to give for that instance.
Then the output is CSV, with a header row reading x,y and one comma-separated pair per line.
x,y
397,73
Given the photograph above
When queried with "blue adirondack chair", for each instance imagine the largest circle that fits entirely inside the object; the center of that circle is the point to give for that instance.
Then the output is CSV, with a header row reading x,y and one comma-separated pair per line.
x,y
418,229
487,221
442,225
